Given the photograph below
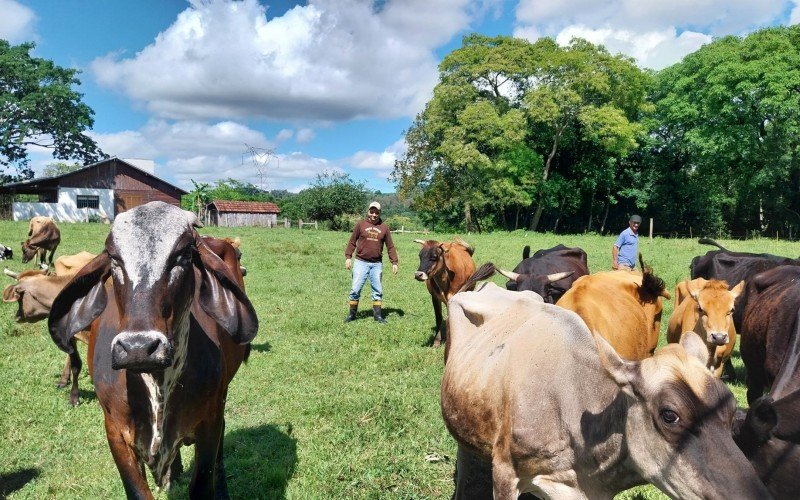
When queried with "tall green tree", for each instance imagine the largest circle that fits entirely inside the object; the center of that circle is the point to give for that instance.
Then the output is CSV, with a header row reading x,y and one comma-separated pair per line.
x,y
728,125
332,195
38,107
59,168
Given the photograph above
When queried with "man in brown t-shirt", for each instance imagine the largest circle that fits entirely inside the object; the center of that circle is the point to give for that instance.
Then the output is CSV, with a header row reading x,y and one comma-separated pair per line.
x,y
367,241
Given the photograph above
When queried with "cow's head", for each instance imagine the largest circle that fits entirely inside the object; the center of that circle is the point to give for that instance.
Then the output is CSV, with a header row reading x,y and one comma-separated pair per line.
x,y
28,251
32,293
431,259
158,265
714,307
678,429
545,285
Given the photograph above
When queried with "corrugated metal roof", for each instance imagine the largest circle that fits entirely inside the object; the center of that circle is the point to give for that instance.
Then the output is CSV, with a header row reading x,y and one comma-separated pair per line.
x,y
257,207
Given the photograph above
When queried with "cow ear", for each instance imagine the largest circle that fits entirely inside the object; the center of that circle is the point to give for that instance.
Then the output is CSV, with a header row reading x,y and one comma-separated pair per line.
x,y
222,298
10,293
624,373
694,287
738,289
694,346
80,302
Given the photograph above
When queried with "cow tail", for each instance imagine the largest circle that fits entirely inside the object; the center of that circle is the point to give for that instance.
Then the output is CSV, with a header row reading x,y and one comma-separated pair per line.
x,y
709,241
484,272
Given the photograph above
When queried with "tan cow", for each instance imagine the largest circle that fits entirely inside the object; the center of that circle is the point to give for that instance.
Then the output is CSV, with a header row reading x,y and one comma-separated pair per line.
x,y
67,265
43,236
706,308
557,413
623,306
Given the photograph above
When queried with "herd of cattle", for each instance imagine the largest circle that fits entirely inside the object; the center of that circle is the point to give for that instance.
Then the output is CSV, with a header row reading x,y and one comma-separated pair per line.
x,y
552,386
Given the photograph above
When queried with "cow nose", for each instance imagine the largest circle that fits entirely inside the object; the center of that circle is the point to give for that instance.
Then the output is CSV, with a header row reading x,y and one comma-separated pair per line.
x,y
140,351
420,276
718,338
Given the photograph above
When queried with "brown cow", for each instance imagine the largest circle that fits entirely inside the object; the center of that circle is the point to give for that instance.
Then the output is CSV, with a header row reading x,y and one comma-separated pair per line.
x,y
34,293
444,267
623,306
171,325
554,411
706,308
43,236
67,265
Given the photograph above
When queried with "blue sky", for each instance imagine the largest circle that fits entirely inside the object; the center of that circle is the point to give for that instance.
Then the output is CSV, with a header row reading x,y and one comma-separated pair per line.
x,y
327,85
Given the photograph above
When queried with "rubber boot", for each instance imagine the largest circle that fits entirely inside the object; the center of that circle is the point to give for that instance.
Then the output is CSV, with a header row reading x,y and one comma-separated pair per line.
x,y
353,310
377,312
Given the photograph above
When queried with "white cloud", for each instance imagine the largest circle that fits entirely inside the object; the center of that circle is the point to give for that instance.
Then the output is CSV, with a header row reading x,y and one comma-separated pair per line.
x,y
16,22
382,161
284,135
794,17
655,32
329,60
305,135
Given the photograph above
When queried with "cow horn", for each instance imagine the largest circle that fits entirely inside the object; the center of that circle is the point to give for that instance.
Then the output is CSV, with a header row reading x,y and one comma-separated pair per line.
x,y
421,242
11,273
508,274
559,276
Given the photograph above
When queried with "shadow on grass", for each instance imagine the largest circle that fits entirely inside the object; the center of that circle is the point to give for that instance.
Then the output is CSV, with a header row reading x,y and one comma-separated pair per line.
x,y
259,462
13,481
388,312
264,347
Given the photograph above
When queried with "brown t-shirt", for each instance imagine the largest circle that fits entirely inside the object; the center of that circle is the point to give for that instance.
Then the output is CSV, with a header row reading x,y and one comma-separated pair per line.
x,y
367,241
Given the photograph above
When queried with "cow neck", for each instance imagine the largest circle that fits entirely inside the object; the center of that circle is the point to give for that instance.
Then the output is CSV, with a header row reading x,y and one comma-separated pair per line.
x,y
160,386
442,279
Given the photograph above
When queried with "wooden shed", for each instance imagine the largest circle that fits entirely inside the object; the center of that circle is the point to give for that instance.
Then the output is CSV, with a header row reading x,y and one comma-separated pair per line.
x,y
229,213
103,189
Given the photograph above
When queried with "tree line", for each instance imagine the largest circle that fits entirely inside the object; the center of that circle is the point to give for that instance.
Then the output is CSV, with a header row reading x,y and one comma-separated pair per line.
x,y
572,138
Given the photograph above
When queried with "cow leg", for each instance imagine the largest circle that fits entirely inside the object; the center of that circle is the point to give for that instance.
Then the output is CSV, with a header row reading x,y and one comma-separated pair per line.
x,y
729,371
220,481
437,312
64,380
756,380
75,368
131,471
176,468
206,449
504,479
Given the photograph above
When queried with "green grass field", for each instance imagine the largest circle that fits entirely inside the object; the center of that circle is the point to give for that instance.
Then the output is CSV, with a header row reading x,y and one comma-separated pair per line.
x,y
322,409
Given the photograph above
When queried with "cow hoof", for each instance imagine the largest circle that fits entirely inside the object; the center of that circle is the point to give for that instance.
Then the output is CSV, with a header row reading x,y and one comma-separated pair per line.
x,y
74,400
61,384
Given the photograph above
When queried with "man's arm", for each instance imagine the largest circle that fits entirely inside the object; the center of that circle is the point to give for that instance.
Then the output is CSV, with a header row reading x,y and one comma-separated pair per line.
x,y
391,250
351,246
614,255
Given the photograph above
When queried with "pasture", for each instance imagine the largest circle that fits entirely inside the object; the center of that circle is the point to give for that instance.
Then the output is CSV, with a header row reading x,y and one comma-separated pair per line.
x,y
322,409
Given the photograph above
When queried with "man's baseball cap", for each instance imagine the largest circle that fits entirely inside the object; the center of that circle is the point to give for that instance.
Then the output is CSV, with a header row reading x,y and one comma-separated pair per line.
x,y
636,218
376,205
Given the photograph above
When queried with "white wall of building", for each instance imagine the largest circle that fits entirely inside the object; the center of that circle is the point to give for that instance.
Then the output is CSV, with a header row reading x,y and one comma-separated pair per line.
x,y
66,210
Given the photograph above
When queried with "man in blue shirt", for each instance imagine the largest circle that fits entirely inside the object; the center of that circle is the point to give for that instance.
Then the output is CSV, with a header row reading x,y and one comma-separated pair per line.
x,y
626,248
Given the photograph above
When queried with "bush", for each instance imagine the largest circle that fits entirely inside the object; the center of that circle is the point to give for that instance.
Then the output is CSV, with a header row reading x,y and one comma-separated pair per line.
x,y
396,222
344,222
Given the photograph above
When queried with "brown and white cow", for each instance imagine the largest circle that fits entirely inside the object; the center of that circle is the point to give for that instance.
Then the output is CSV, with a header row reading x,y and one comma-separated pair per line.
x,y
623,306
171,325
554,411
706,308
444,267
34,292
43,236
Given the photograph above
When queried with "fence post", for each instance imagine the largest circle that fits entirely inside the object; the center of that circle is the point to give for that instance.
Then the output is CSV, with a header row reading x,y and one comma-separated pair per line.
x,y
299,223
651,229
315,225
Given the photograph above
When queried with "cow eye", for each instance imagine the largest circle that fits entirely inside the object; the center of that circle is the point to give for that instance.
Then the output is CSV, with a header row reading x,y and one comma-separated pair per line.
x,y
669,417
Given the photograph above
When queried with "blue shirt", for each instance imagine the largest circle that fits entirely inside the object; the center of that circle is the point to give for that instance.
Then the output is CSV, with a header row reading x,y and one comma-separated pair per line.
x,y
628,244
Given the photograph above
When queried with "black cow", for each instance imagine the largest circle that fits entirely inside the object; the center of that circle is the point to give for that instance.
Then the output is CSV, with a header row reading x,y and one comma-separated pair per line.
x,y
549,273
6,253
770,345
171,325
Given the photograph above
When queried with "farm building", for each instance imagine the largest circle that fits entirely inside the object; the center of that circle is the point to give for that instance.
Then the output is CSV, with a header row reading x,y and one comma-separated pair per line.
x,y
242,213
97,191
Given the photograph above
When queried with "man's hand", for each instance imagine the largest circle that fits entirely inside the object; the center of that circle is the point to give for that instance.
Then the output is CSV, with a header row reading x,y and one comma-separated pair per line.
x,y
348,263
614,265
394,269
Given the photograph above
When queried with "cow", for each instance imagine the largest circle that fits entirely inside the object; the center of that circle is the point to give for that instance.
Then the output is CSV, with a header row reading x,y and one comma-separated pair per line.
x,y
43,237
553,410
549,273
34,292
6,253
444,267
236,243
623,306
706,308
67,265
171,324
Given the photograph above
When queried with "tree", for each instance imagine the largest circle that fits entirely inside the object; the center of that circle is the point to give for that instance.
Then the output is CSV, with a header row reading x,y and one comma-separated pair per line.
x,y
38,107
333,195
59,168
199,198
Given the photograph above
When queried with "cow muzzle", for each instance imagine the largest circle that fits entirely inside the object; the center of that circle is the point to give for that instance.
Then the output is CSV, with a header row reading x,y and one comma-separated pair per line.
x,y
141,351
717,338
421,276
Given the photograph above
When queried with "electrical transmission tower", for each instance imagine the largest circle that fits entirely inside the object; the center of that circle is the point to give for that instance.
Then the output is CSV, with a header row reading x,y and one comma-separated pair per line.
x,y
260,158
